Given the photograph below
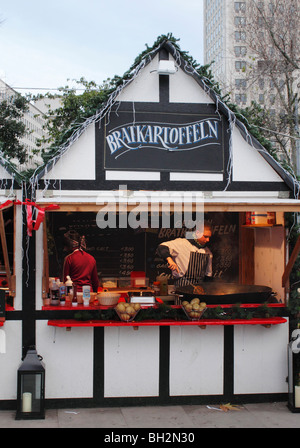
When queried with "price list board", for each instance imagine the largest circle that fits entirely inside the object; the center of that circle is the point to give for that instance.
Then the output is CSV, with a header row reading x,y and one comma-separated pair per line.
x,y
119,251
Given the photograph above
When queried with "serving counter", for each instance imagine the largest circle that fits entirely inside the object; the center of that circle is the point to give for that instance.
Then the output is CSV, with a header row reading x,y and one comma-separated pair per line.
x,y
167,360
178,321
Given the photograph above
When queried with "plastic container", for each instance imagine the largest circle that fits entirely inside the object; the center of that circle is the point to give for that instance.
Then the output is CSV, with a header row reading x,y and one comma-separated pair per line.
x,y
124,282
259,218
138,279
139,282
109,282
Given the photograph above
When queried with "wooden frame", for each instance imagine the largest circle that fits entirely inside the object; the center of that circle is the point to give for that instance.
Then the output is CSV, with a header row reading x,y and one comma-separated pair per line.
x,y
11,278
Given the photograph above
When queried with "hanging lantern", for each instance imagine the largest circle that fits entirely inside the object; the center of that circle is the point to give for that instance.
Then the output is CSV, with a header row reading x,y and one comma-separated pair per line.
x,y
31,387
294,372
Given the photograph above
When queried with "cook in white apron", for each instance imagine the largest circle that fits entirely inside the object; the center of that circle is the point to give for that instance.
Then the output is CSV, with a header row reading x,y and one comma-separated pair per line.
x,y
189,260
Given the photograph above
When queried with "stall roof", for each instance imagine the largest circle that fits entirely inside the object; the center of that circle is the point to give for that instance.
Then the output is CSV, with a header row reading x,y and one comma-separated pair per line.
x,y
287,178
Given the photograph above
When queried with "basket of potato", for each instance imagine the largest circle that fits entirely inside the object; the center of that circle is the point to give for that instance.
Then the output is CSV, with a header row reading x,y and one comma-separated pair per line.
x,y
127,311
194,309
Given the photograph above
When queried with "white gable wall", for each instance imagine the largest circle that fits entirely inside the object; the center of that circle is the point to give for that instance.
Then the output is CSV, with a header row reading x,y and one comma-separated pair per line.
x,y
145,87
248,164
78,162
184,89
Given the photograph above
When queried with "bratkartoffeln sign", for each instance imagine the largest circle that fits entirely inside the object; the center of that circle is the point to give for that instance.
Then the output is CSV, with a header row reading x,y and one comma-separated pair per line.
x,y
164,142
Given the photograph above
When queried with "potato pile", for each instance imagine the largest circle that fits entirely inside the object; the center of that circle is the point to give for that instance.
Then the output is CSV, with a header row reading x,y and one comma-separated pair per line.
x,y
127,311
194,309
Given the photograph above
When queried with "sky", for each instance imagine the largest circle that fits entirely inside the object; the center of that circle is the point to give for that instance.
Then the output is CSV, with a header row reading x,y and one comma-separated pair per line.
x,y
43,44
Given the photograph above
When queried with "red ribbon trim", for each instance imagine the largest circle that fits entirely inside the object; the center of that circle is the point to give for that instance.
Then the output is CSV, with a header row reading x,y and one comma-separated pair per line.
x,y
32,224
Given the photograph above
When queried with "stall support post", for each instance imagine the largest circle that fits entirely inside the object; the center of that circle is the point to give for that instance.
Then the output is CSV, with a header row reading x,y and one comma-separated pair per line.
x,y
164,366
228,361
28,286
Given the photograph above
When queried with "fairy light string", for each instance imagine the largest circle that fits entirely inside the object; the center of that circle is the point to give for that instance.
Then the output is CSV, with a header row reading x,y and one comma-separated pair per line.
x,y
112,102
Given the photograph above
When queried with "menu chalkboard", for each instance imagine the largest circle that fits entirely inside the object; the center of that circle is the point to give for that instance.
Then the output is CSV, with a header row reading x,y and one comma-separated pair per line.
x,y
119,251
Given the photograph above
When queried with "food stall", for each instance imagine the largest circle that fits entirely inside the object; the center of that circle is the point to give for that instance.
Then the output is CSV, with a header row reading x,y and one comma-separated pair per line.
x,y
164,152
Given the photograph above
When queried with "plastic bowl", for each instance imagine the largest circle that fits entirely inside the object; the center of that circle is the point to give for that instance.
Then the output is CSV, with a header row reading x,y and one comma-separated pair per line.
x,y
108,298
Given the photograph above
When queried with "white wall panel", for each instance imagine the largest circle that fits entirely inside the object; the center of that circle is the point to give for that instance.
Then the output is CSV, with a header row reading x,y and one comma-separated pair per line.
x,y
68,358
260,359
10,360
196,360
131,362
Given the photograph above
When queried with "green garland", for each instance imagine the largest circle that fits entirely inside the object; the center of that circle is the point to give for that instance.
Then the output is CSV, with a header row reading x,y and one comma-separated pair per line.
x,y
166,312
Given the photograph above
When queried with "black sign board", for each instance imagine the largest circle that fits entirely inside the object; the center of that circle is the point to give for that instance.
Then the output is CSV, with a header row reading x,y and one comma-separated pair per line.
x,y
164,141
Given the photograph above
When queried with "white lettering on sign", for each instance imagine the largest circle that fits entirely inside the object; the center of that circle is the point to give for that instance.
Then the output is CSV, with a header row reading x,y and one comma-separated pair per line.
x,y
167,137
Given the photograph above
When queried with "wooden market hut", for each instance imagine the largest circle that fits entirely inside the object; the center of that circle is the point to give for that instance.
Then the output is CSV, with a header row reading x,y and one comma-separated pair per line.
x,y
163,140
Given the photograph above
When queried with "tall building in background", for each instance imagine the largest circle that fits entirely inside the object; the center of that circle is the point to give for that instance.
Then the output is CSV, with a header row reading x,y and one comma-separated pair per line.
x,y
249,67
34,120
225,44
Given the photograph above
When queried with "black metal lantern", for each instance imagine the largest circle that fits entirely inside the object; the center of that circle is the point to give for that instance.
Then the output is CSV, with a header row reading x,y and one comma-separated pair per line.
x,y
31,387
294,372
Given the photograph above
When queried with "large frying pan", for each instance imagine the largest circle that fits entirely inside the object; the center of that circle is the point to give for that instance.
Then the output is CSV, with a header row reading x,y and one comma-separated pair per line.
x,y
227,293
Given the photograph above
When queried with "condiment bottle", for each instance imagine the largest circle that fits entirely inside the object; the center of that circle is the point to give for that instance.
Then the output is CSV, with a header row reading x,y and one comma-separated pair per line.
x,y
62,294
86,295
68,284
69,290
54,293
47,299
156,288
163,284
74,299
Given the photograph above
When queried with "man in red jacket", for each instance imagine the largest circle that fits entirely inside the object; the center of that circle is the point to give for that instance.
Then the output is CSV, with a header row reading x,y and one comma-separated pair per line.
x,y
79,265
